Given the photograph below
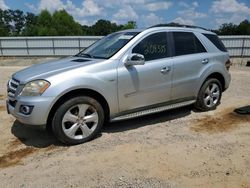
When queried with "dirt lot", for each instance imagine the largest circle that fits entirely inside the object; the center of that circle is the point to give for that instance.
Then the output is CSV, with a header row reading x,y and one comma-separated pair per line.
x,y
178,148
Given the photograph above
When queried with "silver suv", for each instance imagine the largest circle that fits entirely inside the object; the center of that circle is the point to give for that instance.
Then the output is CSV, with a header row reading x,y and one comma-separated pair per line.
x,y
124,75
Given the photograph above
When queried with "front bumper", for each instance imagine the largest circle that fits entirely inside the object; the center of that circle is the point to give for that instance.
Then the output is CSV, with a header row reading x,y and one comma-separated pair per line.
x,y
39,115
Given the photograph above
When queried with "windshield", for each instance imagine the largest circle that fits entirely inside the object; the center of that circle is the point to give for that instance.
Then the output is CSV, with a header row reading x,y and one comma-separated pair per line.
x,y
108,46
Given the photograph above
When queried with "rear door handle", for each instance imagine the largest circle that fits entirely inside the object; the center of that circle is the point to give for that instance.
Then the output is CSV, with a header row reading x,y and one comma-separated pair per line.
x,y
205,61
165,70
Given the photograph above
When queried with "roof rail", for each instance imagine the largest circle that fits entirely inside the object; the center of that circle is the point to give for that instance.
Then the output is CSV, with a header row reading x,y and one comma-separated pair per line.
x,y
172,24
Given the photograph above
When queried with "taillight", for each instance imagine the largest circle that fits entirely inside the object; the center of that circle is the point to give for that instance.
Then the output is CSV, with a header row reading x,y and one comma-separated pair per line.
x,y
228,64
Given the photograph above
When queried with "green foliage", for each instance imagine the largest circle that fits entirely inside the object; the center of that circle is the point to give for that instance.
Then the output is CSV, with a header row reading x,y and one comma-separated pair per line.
x,y
231,29
18,21
60,23
130,25
105,27
101,27
30,28
45,25
5,23
64,24
227,29
244,28
4,31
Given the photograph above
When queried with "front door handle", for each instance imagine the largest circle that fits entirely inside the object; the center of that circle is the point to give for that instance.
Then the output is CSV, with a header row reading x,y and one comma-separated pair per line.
x,y
165,70
205,61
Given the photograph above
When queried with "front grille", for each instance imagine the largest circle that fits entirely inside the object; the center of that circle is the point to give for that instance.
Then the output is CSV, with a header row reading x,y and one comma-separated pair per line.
x,y
12,103
12,87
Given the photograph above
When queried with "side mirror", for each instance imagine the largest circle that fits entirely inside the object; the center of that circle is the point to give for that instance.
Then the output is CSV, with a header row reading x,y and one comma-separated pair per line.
x,y
135,59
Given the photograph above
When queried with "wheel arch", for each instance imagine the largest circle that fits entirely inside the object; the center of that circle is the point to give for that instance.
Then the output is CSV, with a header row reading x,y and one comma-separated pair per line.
x,y
200,100
219,77
79,92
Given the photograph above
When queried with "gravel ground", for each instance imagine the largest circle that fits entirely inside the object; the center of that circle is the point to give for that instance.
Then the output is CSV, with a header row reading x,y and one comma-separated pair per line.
x,y
177,148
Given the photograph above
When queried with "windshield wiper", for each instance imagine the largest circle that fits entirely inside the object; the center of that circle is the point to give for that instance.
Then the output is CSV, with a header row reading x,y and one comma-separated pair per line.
x,y
85,54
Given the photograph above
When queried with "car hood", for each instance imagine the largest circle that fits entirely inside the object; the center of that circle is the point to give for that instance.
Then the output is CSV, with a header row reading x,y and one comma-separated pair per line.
x,y
44,70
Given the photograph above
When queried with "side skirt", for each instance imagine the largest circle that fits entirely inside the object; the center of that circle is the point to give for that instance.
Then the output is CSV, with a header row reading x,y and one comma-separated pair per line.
x,y
152,110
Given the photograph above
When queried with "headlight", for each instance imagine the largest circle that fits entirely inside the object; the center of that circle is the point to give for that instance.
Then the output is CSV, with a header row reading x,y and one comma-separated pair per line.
x,y
35,88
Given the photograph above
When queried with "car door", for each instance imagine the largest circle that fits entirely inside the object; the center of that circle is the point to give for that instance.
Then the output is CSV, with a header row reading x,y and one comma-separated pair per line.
x,y
148,84
189,59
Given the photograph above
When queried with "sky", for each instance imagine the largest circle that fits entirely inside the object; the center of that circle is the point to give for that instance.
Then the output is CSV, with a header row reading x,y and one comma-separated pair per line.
x,y
204,13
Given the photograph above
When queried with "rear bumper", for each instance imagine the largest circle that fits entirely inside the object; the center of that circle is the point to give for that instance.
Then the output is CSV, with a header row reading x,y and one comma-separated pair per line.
x,y
40,110
227,81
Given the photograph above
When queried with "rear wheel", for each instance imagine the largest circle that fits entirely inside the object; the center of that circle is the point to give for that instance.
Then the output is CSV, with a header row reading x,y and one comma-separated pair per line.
x,y
209,95
78,120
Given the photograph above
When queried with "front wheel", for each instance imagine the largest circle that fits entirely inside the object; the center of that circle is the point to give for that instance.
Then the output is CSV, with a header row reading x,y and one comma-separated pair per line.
x,y
78,120
209,95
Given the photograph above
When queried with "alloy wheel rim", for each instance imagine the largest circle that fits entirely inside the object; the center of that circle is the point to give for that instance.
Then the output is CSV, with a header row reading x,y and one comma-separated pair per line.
x,y
212,95
80,121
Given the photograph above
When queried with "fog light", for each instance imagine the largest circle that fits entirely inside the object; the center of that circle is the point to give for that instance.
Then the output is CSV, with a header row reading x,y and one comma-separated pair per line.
x,y
26,110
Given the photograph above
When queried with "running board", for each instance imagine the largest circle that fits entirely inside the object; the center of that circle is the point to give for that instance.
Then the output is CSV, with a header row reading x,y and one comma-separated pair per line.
x,y
152,110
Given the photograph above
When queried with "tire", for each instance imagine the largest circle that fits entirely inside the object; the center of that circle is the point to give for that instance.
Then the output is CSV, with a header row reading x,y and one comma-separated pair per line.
x,y
78,120
209,95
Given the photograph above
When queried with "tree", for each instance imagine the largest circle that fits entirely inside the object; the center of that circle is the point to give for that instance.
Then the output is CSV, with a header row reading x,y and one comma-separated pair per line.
x,y
5,22
105,27
101,27
18,21
87,30
45,25
231,29
244,28
227,29
129,25
30,25
64,24
4,31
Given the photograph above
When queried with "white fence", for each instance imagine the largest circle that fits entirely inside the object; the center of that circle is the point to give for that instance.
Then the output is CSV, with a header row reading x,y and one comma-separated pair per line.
x,y
238,46
44,46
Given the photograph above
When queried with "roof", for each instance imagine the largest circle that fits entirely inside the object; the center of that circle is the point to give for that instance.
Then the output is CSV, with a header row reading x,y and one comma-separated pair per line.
x,y
181,29
178,25
172,28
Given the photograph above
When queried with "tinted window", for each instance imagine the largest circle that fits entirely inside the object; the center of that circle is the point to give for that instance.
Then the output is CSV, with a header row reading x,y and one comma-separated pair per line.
x,y
153,46
187,43
216,41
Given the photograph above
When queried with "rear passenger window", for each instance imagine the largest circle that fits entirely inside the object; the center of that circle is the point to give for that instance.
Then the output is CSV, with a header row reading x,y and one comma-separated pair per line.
x,y
216,41
153,47
187,43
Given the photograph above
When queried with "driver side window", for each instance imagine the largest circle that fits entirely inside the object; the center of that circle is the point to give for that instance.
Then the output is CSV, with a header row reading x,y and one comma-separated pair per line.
x,y
153,47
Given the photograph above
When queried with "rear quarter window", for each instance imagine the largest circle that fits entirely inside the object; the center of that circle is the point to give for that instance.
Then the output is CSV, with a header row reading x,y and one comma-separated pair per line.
x,y
216,41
